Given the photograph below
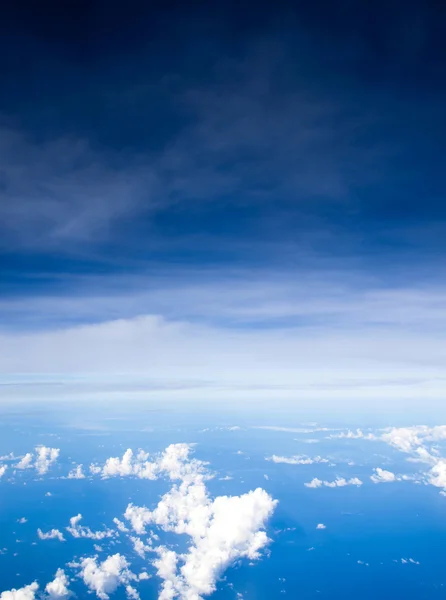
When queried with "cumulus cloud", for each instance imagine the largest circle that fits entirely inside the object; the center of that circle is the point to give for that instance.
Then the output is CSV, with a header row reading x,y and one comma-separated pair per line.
x,y
80,531
58,588
297,460
22,520
41,460
25,462
28,592
353,435
120,525
3,470
321,526
338,482
139,547
416,441
174,462
53,534
221,530
103,578
383,476
77,473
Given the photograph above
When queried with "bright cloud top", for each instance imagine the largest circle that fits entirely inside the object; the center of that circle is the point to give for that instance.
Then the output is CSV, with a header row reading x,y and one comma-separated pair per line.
x,y
297,460
338,482
41,460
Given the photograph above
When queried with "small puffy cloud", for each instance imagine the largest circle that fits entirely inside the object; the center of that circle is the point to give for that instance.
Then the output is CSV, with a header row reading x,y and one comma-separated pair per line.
x,y
3,469
76,473
80,531
321,526
103,578
314,483
22,520
353,435
338,482
25,462
297,460
28,592
174,462
45,458
120,525
437,475
383,476
139,547
41,460
58,588
53,534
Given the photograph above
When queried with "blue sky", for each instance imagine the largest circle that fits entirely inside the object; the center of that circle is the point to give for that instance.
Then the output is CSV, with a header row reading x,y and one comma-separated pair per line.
x,y
223,200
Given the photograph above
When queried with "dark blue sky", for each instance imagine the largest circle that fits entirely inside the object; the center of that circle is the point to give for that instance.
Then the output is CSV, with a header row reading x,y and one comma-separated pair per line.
x,y
140,137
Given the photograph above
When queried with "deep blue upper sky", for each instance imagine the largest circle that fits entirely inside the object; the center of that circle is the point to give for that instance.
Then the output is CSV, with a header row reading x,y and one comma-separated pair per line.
x,y
143,135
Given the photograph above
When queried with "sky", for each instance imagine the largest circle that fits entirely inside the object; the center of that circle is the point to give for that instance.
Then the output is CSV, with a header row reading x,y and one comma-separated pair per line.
x,y
208,201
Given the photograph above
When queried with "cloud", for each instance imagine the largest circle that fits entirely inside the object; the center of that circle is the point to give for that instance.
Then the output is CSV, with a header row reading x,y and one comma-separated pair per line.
x,y
321,526
139,547
76,473
58,588
42,460
168,350
103,578
51,535
22,520
383,476
353,435
174,462
79,531
3,470
416,441
120,525
28,592
338,482
297,460
221,530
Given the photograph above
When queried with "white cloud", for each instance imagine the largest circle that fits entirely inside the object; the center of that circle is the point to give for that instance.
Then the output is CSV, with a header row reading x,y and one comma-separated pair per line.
x,y
321,526
221,530
77,473
338,482
25,462
415,440
103,578
80,531
383,476
22,520
368,361
51,535
44,458
3,470
28,592
120,525
353,435
297,460
58,588
139,547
